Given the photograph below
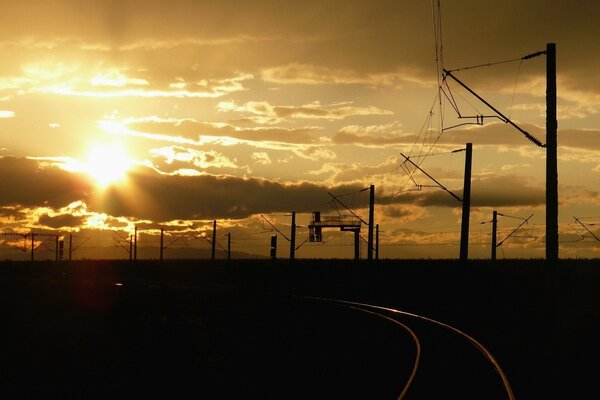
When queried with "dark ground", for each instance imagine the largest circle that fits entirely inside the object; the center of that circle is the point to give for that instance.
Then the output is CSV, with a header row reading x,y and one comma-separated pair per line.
x,y
227,330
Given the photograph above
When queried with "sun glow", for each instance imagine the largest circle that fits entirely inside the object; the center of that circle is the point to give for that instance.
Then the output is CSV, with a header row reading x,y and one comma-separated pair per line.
x,y
107,164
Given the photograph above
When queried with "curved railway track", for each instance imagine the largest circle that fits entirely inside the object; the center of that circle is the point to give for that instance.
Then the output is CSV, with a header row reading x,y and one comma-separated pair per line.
x,y
429,331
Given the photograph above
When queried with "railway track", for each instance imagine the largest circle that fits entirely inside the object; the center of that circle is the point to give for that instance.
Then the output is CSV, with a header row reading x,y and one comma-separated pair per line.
x,y
448,363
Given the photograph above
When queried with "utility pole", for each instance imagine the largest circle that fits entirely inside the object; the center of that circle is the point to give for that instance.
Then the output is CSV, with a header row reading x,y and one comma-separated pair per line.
x,y
274,247
56,246
214,240
135,239
466,206
162,236
377,242
371,214
551,157
32,244
293,237
130,247
229,246
356,244
494,234
70,246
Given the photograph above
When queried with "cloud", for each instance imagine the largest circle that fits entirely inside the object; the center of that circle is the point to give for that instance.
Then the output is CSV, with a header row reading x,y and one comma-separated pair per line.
x,y
266,113
32,183
195,133
192,129
177,155
106,79
261,158
487,191
307,74
373,135
60,221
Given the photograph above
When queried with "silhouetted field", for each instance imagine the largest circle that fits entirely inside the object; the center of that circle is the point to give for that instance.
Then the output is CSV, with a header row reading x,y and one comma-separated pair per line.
x,y
104,327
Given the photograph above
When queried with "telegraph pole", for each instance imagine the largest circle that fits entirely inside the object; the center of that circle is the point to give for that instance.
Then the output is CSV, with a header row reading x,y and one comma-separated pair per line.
x,y
229,246
274,247
135,238
162,235
70,246
56,246
551,157
130,247
466,206
356,244
494,233
293,237
32,244
371,214
377,242
214,240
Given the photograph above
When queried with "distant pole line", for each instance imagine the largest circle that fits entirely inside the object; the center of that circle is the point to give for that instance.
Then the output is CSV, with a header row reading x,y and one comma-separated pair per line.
x,y
494,233
273,247
377,242
356,245
371,222
229,246
551,156
466,206
214,241
293,237
162,235
32,244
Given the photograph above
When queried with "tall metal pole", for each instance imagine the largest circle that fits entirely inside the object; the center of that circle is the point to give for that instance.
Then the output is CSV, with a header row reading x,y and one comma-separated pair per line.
x,y
377,242
32,244
356,245
229,246
551,157
371,222
130,247
162,236
135,239
214,241
293,237
56,246
466,209
494,234
70,246
274,247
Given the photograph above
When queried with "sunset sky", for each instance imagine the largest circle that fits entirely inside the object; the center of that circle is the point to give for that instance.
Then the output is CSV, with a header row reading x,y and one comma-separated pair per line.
x,y
171,114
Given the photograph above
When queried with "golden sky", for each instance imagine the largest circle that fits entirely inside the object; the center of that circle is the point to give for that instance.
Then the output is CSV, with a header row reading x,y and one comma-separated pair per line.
x,y
170,114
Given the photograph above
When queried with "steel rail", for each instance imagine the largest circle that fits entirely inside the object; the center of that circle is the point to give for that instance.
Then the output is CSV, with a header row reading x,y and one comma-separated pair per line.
x,y
457,331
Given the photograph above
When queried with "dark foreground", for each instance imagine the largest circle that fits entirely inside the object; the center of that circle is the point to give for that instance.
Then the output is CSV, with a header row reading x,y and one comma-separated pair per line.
x,y
94,328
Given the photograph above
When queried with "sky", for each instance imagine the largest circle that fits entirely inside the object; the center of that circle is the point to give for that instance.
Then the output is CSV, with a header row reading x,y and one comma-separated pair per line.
x,y
154,114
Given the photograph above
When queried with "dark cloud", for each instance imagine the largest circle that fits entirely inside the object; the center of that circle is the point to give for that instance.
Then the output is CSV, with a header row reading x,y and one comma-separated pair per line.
x,y
12,213
29,183
61,221
397,212
157,197
337,34
170,197
485,192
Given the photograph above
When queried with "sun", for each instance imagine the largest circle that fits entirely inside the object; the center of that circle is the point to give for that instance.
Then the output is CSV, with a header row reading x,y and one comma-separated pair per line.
x,y
107,164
